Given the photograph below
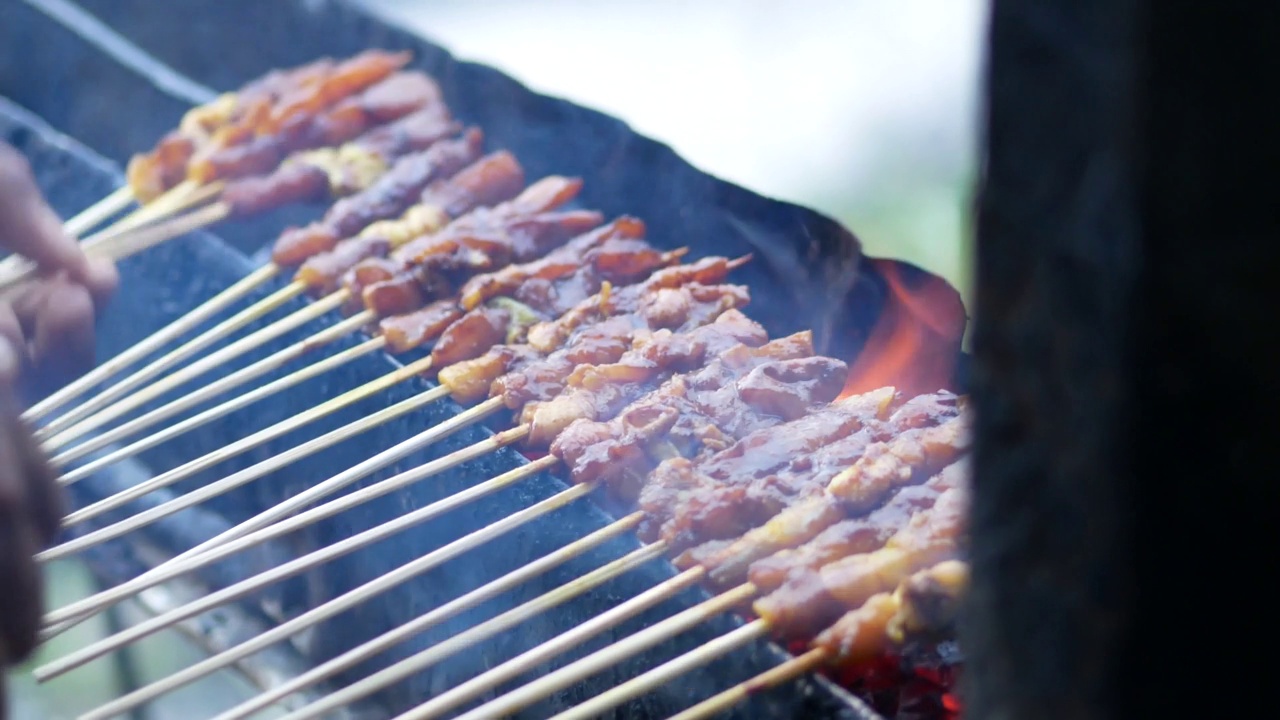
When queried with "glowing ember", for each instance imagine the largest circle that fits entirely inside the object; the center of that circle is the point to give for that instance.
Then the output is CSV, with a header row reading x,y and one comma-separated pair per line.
x,y
896,689
914,344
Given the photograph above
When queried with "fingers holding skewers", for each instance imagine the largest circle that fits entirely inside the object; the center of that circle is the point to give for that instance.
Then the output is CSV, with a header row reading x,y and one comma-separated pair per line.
x,y
48,321
30,228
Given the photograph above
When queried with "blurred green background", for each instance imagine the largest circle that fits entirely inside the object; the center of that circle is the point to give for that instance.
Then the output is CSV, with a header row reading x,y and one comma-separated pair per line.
x,y
862,109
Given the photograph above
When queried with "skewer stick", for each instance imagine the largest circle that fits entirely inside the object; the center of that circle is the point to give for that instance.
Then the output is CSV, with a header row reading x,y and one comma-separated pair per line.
x,y
279,429
436,616
574,672
666,672
172,200
786,672
333,607
160,338
209,362
182,197
568,640
217,388
98,212
15,268
149,372
238,479
260,528
478,633
131,243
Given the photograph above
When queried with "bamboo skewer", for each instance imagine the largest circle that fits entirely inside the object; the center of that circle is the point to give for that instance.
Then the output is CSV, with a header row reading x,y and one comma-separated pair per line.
x,y
237,479
369,648
566,676
152,343
213,390
261,528
478,633
111,408
786,672
181,198
254,583
437,615
568,640
149,372
334,606
98,212
666,672
266,435
118,241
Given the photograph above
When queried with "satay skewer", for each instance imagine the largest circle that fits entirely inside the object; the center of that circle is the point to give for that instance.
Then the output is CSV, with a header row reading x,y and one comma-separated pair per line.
x,y
400,670
908,618
501,673
322,555
877,623
707,269
108,405
416,152
222,385
873,605
581,250
262,141
444,158
726,333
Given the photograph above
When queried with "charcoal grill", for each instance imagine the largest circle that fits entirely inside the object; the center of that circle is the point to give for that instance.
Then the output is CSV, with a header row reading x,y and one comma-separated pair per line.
x,y
115,75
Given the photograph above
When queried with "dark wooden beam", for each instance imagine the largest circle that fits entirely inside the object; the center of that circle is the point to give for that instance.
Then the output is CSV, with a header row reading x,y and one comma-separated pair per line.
x,y
1127,369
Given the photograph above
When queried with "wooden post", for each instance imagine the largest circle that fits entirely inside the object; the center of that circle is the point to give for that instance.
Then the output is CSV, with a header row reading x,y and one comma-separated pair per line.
x,y
1127,365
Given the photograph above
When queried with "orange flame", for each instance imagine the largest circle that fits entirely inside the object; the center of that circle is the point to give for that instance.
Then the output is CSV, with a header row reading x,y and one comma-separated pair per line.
x,y
916,340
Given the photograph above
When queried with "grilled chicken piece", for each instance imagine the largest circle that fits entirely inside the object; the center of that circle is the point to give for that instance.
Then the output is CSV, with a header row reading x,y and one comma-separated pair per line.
x,y
905,459
599,391
708,271
336,108
367,215
854,535
687,416
929,601
524,375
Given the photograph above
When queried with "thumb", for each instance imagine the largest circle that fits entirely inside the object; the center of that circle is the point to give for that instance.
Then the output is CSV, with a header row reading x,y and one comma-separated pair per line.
x,y
29,227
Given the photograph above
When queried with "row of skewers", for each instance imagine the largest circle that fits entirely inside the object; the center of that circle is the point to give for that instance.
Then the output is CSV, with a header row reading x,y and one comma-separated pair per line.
x,y
838,521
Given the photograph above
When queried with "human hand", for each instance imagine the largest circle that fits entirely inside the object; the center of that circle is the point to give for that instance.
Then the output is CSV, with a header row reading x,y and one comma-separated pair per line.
x,y
46,335
46,325
30,515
